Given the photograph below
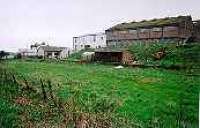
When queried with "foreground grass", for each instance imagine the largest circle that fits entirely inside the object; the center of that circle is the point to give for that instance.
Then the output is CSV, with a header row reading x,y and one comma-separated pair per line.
x,y
149,97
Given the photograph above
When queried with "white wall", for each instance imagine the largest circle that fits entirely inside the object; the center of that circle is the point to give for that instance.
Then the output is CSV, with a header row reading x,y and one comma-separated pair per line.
x,y
64,53
94,40
40,52
28,52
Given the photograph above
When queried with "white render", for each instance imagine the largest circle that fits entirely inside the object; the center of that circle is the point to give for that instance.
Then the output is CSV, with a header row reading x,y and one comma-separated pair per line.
x,y
40,52
65,53
93,41
28,52
61,54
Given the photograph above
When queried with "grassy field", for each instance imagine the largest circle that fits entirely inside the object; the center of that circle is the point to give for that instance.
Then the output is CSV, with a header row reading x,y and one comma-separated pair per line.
x,y
128,97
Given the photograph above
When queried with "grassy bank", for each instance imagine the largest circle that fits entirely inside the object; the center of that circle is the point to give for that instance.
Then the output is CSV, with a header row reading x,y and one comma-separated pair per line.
x,y
184,55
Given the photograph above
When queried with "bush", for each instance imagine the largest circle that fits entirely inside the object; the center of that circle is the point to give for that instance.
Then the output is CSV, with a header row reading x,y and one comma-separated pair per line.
x,y
143,51
174,55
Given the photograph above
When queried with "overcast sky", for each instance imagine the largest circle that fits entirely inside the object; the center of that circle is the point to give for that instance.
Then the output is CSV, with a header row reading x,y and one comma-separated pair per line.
x,y
23,22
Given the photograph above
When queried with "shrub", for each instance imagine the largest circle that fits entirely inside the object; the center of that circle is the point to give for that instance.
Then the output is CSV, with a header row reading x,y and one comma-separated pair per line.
x,y
143,51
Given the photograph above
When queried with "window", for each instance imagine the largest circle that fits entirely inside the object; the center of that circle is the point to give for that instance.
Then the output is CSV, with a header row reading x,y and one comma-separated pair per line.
x,y
75,40
156,29
132,31
101,38
94,38
144,30
123,32
56,53
87,46
49,53
170,28
83,39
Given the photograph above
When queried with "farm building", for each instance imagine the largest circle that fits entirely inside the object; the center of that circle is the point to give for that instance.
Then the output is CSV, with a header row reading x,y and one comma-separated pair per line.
x,y
53,52
30,52
179,28
27,53
113,56
196,31
89,41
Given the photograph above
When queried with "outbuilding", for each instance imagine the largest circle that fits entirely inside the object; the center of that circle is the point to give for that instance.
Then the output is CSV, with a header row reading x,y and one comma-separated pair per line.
x,y
52,52
114,56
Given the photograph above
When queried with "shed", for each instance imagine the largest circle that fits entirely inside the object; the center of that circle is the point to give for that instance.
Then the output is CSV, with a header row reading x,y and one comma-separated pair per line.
x,y
114,56
87,56
53,52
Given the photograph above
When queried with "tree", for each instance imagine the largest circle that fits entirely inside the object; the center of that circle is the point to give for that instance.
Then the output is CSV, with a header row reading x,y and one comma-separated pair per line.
x,y
3,54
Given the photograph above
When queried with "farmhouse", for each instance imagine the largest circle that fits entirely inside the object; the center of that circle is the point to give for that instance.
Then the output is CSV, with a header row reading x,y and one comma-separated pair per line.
x,y
89,41
114,56
177,28
53,52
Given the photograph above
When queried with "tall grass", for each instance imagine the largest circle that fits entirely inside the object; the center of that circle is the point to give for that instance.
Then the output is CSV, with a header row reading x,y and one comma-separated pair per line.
x,y
23,100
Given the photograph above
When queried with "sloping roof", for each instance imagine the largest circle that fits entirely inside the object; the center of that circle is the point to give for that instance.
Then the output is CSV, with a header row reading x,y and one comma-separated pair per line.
x,y
151,23
52,48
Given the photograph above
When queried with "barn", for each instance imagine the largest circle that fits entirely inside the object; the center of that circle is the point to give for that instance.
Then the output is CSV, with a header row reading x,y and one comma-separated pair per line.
x,y
176,28
115,56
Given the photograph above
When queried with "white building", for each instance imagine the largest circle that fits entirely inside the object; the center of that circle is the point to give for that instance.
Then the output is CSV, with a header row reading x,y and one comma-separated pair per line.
x,y
28,52
53,52
89,41
32,52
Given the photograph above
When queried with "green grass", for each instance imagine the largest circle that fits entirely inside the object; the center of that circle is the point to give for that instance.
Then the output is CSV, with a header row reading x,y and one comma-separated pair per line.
x,y
148,97
8,114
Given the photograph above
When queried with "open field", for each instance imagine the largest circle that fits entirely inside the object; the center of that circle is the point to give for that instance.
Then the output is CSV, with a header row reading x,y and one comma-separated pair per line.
x,y
142,97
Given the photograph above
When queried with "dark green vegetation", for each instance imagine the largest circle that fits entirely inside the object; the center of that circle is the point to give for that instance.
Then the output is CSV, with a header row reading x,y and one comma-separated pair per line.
x,y
3,54
150,23
58,94
186,56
